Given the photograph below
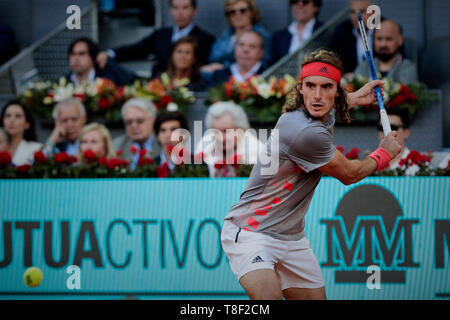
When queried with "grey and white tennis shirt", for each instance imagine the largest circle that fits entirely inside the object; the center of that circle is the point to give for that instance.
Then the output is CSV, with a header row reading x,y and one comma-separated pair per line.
x,y
276,204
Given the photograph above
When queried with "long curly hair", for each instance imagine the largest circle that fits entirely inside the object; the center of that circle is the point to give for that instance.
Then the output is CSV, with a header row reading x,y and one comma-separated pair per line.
x,y
296,101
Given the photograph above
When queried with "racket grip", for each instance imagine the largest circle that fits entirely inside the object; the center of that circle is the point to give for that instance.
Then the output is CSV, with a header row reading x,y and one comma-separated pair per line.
x,y
385,122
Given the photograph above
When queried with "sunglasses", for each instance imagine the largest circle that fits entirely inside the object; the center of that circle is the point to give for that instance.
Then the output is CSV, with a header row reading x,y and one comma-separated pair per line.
x,y
232,12
394,127
305,2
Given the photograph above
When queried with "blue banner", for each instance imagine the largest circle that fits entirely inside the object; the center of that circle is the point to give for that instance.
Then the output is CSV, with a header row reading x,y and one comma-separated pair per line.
x,y
383,238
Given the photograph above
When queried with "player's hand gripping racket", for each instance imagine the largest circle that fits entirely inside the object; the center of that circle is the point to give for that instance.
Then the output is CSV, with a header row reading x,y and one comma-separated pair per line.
x,y
369,57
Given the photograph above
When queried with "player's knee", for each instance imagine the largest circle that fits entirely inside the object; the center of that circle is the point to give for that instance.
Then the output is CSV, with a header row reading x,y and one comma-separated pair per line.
x,y
267,295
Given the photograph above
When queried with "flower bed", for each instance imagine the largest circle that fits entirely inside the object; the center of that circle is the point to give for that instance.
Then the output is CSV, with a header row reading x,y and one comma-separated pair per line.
x,y
103,97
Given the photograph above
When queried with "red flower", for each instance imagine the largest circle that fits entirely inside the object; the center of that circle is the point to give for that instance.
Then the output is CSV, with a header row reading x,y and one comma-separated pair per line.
x,y
170,148
104,103
5,158
163,170
166,100
40,157
24,168
115,162
340,148
414,156
134,149
142,153
119,152
219,165
89,156
63,157
120,93
403,162
102,161
424,158
353,154
145,161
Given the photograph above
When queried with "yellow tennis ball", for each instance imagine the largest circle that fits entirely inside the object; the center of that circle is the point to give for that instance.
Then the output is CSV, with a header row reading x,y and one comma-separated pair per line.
x,y
33,277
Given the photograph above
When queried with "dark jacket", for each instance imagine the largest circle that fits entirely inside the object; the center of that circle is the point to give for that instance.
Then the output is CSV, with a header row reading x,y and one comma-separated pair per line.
x,y
159,44
112,71
343,42
281,41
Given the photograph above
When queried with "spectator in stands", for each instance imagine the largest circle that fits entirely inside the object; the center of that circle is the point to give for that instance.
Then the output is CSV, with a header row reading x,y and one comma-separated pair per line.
x,y
346,40
249,52
96,137
231,138
293,37
158,43
165,124
139,117
70,118
400,122
8,45
19,125
82,60
389,62
242,15
4,140
185,64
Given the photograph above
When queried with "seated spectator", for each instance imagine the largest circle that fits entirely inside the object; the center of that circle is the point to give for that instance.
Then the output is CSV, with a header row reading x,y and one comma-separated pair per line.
x,y
165,124
293,37
8,45
70,118
400,122
96,137
4,140
82,54
346,40
389,62
230,138
139,117
158,43
19,126
249,52
242,15
185,64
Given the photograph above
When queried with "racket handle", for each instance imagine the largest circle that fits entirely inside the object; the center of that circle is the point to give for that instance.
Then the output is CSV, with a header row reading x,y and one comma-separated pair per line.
x,y
385,122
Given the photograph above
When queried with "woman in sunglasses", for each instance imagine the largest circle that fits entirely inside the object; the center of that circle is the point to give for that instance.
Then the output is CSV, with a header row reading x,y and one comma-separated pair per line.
x,y
242,15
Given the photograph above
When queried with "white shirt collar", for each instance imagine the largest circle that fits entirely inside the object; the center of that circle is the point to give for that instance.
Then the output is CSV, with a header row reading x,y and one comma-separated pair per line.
x,y
91,77
298,39
177,33
234,68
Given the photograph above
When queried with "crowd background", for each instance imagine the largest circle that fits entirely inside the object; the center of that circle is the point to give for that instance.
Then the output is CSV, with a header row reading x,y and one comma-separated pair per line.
x,y
134,42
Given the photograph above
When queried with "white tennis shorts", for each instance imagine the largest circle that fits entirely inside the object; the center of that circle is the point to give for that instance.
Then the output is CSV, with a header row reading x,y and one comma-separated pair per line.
x,y
293,261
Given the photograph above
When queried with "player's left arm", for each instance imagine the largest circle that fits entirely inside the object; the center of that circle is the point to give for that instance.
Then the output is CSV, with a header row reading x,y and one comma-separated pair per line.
x,y
366,95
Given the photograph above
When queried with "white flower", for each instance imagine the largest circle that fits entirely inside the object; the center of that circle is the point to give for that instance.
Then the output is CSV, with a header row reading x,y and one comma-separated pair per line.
x,y
63,93
172,107
264,90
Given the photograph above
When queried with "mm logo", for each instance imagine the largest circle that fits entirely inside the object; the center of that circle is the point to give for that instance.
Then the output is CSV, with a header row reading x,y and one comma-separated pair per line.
x,y
369,230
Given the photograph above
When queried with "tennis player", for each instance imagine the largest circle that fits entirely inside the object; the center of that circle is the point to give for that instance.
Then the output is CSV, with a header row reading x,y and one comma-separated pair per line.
x,y
263,234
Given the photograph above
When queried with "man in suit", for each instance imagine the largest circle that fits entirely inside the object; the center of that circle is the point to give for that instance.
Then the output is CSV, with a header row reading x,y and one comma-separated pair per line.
x,y
346,40
82,54
293,37
70,117
249,52
159,42
139,117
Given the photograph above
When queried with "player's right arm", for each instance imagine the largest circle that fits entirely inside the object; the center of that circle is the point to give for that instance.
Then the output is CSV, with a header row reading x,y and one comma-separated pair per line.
x,y
351,171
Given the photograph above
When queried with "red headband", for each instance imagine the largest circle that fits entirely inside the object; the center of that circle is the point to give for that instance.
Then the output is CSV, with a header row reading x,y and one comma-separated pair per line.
x,y
321,69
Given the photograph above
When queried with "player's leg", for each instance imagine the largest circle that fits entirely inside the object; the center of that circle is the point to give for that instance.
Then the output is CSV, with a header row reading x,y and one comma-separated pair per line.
x,y
304,294
262,284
